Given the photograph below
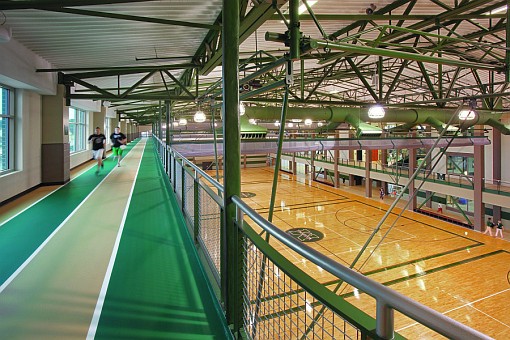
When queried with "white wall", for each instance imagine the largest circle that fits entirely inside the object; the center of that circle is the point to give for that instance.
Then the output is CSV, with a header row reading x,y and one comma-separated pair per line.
x,y
18,67
27,146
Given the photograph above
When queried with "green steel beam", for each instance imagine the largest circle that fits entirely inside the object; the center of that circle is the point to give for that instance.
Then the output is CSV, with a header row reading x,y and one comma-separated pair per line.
x,y
232,247
44,4
147,96
89,86
115,71
361,22
425,75
179,83
252,21
366,50
315,20
294,34
363,79
133,18
482,88
138,83
395,79
385,17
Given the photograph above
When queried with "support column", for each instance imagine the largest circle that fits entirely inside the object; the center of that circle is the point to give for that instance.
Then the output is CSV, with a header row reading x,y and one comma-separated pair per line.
x,y
496,169
368,180
384,164
412,166
232,250
336,156
479,206
55,153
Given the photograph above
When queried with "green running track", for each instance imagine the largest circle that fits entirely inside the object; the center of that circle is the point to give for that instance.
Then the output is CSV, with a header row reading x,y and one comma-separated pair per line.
x,y
106,257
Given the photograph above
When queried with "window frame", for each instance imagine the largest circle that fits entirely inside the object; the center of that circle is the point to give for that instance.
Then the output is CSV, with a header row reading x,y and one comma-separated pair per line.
x,y
77,130
11,121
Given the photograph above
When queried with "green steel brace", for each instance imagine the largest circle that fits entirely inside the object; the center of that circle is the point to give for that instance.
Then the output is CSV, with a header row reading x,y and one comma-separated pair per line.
x,y
232,254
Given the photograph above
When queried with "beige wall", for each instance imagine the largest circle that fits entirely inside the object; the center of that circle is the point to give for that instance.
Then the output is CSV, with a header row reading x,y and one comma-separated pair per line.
x,y
27,145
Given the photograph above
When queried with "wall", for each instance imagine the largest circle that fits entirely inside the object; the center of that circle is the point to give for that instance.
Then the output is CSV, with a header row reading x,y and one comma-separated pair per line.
x,y
27,145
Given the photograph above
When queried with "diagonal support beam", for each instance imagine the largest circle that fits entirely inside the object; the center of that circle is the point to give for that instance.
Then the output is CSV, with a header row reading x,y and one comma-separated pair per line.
x,y
179,83
363,79
138,83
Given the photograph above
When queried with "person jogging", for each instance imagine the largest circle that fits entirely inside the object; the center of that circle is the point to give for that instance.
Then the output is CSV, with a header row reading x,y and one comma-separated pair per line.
x,y
98,146
118,139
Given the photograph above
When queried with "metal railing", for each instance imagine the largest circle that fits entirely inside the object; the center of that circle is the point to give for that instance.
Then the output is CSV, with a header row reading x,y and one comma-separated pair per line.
x,y
280,300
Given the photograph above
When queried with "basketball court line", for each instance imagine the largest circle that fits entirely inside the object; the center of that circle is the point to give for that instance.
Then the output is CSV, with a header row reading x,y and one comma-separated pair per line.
x,y
48,194
303,205
102,294
468,304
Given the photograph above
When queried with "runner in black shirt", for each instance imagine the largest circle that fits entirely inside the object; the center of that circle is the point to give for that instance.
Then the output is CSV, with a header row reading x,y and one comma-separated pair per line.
x,y
98,144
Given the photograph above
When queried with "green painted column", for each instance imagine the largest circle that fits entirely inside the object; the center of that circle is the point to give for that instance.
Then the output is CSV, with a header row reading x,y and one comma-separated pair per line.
x,y
232,249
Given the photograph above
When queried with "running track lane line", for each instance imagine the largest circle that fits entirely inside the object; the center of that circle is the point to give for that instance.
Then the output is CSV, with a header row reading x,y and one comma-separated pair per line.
x,y
43,244
102,294
57,189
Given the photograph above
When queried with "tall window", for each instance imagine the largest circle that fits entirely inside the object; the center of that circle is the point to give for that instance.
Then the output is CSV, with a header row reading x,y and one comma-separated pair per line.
x,y
6,129
77,129
107,127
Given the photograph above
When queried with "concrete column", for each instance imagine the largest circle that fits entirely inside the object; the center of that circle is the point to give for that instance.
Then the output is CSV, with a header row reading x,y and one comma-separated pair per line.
x,y
55,139
479,206
496,168
368,180
412,167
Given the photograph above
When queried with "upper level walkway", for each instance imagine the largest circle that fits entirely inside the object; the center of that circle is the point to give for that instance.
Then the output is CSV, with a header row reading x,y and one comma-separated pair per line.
x,y
105,256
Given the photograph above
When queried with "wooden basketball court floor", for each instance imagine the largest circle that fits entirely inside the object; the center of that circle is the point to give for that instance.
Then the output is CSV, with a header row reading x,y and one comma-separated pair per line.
x,y
454,270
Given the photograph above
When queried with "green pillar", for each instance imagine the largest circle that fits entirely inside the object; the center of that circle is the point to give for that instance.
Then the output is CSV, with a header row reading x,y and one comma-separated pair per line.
x,y
232,250
168,122
294,34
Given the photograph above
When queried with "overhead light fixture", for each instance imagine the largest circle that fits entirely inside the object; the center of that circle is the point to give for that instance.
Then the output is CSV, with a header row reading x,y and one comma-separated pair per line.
x,y
467,114
242,109
496,10
183,121
252,121
5,34
319,124
175,124
376,112
290,124
296,120
308,122
107,103
302,8
199,117
277,123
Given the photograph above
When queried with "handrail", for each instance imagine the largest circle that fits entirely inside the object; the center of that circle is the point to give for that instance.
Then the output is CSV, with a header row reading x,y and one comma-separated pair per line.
x,y
386,298
192,165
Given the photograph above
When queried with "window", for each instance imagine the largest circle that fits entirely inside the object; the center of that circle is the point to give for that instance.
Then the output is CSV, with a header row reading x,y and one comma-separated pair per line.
x,y
107,127
77,129
6,129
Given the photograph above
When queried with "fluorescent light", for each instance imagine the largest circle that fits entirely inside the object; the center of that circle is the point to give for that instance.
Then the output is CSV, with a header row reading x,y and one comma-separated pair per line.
x,y
242,109
467,115
497,10
302,8
295,120
376,112
199,117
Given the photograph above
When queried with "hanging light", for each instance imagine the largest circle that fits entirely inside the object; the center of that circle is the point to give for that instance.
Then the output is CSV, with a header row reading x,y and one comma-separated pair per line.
x,y
183,121
277,123
290,124
199,117
308,122
242,109
252,121
467,114
175,124
319,124
376,112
